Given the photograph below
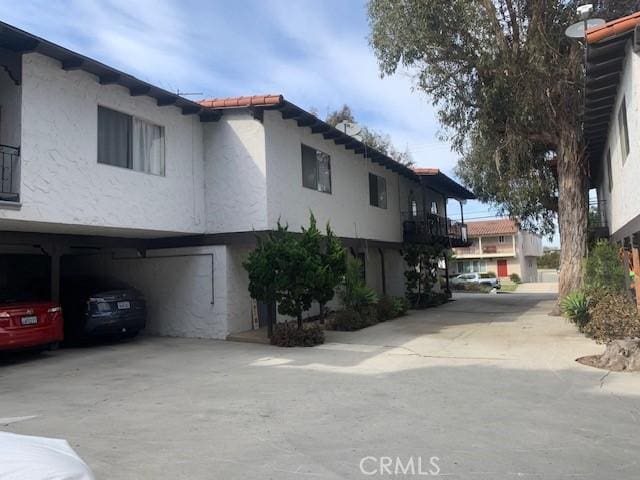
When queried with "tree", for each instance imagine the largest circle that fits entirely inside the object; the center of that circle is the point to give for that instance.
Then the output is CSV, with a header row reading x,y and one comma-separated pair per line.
x,y
422,272
508,87
293,269
331,272
376,140
329,265
549,259
281,270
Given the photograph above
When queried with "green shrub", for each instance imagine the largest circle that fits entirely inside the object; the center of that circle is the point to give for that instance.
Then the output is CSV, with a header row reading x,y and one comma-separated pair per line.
x,y
431,298
354,292
549,260
386,309
604,270
287,334
575,307
515,278
471,287
400,306
370,314
611,317
349,320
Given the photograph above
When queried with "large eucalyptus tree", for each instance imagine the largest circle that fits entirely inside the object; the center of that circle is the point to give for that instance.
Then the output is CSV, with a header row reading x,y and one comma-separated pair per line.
x,y
508,86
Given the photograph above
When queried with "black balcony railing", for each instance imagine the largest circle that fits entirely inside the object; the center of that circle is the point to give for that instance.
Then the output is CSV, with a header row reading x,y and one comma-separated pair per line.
x,y
422,227
598,225
9,173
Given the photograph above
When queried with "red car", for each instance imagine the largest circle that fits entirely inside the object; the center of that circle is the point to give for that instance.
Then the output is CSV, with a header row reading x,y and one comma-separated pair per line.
x,y
26,324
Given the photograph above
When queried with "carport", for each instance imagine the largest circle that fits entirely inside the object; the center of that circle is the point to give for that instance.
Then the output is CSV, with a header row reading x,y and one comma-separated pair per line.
x,y
179,284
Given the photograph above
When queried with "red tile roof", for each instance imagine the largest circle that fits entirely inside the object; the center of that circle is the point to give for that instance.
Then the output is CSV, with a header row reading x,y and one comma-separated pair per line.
x,y
491,227
238,102
613,28
426,171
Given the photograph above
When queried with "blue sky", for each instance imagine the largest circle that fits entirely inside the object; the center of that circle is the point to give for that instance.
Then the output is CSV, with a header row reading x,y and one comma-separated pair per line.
x,y
315,53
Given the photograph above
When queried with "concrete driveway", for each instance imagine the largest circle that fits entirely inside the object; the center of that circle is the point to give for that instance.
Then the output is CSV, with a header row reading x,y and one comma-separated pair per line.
x,y
488,384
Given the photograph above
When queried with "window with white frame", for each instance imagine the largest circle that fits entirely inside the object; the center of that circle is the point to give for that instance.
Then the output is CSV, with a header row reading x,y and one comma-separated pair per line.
x,y
316,169
623,130
377,191
130,142
501,239
434,207
472,266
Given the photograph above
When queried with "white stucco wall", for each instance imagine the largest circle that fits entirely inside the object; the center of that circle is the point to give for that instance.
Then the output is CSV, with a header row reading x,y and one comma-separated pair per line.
x,y
347,207
238,298
529,244
62,182
235,169
177,284
623,203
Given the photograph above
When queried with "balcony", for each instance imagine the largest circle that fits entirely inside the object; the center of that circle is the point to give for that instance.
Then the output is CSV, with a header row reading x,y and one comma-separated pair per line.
x,y
428,228
487,250
597,225
9,173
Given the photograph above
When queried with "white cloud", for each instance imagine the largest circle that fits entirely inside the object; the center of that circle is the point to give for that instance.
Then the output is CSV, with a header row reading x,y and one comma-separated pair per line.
x,y
305,50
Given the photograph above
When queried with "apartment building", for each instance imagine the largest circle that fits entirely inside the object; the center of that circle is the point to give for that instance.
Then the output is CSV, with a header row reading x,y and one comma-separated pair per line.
x,y
611,129
499,246
105,173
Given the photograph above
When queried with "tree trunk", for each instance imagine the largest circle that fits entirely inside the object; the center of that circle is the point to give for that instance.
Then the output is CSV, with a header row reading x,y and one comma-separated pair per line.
x,y
572,211
620,356
300,320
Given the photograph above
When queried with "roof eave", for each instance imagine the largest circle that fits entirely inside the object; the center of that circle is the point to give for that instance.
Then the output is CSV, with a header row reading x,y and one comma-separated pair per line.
x,y
605,60
21,42
290,111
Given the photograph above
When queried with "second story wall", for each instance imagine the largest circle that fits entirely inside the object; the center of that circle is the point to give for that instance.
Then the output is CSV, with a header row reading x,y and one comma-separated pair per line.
x,y
347,207
235,172
62,182
622,200
529,244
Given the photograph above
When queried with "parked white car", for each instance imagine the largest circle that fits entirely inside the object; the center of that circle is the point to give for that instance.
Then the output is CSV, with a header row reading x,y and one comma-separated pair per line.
x,y
23,457
479,278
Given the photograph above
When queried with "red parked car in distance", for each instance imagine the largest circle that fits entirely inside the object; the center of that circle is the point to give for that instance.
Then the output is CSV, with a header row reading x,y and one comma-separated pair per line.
x,y
29,323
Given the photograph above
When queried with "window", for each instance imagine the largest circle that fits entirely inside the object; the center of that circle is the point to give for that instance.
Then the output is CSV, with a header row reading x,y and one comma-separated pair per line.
x,y
129,142
623,131
377,191
434,208
472,266
501,239
609,173
413,205
316,170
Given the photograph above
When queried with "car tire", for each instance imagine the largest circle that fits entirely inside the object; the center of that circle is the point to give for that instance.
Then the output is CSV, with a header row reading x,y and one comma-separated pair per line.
x,y
53,346
131,333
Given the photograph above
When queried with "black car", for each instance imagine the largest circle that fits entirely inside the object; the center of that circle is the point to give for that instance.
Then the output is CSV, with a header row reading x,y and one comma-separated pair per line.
x,y
101,307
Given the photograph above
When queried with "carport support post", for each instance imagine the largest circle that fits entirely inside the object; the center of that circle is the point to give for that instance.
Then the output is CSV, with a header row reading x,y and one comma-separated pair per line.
x,y
55,274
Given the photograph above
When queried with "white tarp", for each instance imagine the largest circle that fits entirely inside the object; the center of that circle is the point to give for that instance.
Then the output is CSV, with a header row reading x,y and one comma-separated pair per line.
x,y
23,457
